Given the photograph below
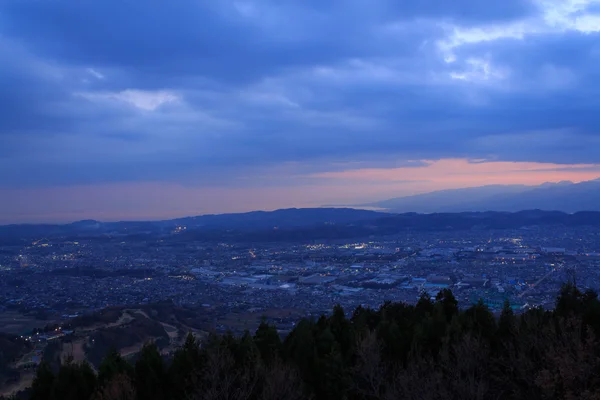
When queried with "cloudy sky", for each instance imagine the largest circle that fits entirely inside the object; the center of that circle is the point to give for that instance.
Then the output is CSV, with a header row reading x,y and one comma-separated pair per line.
x,y
129,109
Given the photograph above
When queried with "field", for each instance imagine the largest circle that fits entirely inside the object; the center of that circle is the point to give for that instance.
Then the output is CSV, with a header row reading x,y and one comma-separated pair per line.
x,y
125,328
22,384
16,323
12,351
74,349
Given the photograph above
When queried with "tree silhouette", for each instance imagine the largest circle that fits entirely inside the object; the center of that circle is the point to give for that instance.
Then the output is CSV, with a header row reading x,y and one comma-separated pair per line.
x,y
74,381
112,365
267,341
41,388
432,350
150,374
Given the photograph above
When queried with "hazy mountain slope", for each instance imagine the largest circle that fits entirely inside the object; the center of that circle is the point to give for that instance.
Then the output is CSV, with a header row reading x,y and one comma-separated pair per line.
x,y
452,200
562,196
584,196
256,220
284,218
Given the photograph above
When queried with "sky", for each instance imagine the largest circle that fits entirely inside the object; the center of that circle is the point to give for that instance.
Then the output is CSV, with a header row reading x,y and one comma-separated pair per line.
x,y
128,109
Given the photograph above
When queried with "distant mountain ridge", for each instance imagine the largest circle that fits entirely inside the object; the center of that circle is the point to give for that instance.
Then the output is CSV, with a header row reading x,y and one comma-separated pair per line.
x,y
563,196
293,225
291,218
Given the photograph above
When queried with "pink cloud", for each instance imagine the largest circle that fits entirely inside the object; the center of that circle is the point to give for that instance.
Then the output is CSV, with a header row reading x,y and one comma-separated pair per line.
x,y
456,173
156,200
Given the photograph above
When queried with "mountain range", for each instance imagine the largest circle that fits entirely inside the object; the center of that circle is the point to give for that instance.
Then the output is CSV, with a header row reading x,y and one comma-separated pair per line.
x,y
216,225
292,225
493,207
563,196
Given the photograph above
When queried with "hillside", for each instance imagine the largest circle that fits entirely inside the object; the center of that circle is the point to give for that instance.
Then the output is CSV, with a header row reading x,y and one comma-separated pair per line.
x,y
12,349
244,222
563,196
295,225
391,224
88,338
126,329
431,350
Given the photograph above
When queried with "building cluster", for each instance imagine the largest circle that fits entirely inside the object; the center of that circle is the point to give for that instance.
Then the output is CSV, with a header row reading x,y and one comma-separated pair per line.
x,y
58,280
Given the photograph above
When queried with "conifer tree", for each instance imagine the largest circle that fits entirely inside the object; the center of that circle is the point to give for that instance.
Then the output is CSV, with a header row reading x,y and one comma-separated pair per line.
x,y
507,321
41,388
424,305
113,364
150,374
267,341
448,302
186,362
75,381
342,330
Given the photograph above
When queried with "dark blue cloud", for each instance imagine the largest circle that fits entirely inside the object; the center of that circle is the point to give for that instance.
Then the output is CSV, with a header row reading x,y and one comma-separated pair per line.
x,y
177,38
466,10
205,92
391,10
214,39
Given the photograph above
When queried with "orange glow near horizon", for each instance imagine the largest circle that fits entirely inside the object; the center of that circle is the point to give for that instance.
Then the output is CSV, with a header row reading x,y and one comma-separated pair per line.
x,y
459,173
162,200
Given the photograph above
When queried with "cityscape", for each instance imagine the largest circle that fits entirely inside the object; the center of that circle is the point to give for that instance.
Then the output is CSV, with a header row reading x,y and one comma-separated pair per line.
x,y
55,280
300,200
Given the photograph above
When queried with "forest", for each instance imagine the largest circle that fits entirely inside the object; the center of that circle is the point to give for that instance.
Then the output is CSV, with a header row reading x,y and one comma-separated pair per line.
x,y
430,350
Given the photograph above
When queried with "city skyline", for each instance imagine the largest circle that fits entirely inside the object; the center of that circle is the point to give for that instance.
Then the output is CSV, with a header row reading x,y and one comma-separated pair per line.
x,y
138,110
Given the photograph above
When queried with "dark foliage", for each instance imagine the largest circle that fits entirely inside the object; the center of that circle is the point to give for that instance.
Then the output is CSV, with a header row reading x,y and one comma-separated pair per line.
x,y
134,332
11,348
431,350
